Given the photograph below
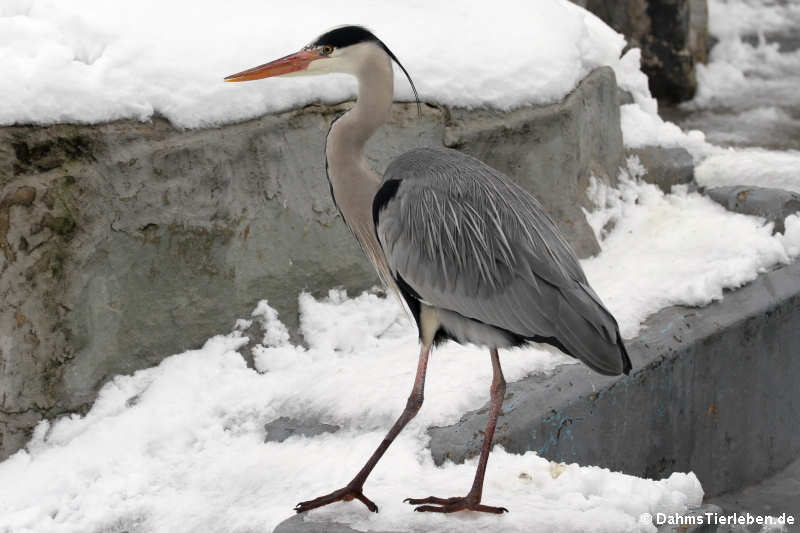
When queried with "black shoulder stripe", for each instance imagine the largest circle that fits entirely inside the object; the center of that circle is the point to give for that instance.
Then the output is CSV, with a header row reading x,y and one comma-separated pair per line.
x,y
387,191
411,297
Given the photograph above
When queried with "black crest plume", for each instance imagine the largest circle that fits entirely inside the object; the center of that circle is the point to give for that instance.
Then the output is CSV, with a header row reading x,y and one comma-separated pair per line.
x,y
350,35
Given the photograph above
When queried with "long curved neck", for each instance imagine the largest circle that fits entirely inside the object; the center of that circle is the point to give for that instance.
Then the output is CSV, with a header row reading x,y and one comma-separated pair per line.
x,y
346,139
353,183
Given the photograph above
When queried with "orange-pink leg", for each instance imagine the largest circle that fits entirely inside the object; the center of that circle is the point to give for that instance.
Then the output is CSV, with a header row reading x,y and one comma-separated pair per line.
x,y
472,501
354,489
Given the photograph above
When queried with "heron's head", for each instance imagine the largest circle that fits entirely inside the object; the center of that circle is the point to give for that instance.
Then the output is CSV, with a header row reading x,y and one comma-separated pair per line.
x,y
344,49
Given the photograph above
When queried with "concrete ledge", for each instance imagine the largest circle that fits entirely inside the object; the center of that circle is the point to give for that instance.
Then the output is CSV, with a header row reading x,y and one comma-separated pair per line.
x,y
714,391
772,204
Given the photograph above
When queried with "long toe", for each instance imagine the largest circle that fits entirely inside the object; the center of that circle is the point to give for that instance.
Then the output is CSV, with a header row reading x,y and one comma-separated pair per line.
x,y
344,494
431,499
452,505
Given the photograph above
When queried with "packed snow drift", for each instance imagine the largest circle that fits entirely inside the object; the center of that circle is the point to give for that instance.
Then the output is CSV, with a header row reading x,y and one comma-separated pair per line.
x,y
95,61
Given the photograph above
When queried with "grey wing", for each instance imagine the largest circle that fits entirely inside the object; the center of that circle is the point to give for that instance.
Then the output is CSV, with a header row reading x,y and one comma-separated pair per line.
x,y
467,239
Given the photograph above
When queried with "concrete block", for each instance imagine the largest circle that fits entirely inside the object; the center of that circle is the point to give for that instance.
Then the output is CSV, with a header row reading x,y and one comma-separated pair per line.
x,y
666,167
772,204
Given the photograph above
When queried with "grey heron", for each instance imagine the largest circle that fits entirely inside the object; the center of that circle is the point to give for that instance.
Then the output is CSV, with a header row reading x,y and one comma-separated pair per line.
x,y
474,256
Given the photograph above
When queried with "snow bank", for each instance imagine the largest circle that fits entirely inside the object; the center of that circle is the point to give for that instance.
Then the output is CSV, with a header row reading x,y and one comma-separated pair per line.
x,y
754,167
674,249
94,61
179,447
640,122
644,128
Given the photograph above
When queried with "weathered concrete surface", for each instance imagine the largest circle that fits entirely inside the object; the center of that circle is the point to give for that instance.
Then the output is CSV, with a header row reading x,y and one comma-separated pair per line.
x,y
125,242
713,390
666,167
772,204
142,240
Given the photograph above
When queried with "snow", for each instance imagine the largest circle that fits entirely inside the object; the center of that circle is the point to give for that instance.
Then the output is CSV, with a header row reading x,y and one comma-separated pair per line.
x,y
741,17
674,249
754,167
95,61
640,122
180,447
642,128
791,236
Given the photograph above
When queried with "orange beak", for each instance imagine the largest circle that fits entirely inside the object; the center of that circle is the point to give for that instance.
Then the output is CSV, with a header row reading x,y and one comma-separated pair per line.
x,y
285,65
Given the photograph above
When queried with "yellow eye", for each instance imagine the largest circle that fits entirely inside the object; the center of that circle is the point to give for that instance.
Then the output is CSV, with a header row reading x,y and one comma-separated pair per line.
x,y
327,50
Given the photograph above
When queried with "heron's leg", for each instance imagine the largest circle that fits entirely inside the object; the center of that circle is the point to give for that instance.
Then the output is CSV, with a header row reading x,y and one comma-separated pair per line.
x,y
354,488
472,501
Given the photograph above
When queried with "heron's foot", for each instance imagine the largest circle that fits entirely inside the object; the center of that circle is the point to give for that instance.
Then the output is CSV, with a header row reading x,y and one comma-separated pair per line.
x,y
451,505
345,494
